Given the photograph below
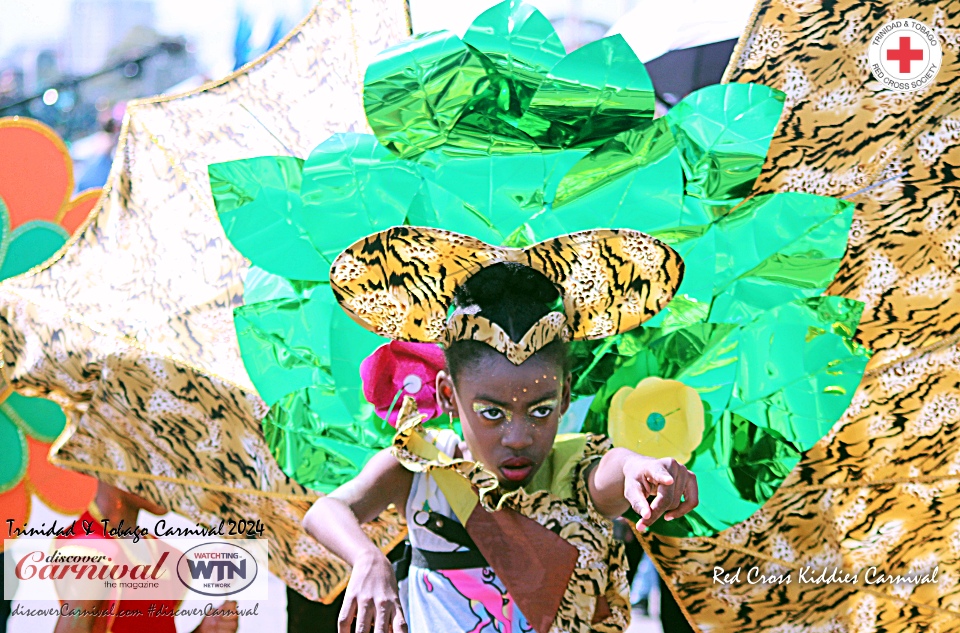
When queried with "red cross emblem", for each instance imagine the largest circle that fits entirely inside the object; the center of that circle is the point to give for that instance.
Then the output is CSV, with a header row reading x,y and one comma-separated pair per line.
x,y
905,54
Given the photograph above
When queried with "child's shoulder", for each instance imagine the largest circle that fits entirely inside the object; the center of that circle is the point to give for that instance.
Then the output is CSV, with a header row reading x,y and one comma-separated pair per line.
x,y
587,444
571,454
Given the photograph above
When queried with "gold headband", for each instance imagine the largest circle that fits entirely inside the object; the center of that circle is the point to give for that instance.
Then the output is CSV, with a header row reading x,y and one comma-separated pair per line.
x,y
464,326
400,283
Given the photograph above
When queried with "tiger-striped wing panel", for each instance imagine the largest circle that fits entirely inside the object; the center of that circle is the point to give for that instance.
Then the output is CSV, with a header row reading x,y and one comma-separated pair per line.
x,y
881,489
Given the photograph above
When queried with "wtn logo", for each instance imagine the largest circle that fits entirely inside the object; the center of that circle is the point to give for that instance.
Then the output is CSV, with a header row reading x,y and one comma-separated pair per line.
x,y
217,569
224,568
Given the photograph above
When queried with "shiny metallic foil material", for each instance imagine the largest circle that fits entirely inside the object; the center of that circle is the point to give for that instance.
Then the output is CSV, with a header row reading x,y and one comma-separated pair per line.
x,y
501,136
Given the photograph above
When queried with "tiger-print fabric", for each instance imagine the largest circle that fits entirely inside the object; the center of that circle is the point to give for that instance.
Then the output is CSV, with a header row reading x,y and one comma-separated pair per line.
x,y
881,489
130,327
400,282
841,133
475,327
601,567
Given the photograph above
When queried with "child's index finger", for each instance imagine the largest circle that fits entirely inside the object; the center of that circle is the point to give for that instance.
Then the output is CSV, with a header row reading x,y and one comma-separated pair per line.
x,y
635,496
660,475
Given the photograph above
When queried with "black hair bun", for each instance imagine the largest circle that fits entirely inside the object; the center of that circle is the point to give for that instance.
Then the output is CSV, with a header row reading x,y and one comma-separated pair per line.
x,y
506,284
511,295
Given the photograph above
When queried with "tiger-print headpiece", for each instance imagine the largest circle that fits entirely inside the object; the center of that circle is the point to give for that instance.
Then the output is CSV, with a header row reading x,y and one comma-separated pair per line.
x,y
400,284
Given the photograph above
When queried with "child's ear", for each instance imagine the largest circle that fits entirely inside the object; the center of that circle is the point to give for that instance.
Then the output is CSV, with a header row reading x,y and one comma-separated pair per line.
x,y
565,399
445,398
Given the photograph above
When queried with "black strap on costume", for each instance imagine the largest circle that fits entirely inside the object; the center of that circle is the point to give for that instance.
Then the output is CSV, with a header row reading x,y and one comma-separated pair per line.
x,y
444,527
401,566
469,559
448,529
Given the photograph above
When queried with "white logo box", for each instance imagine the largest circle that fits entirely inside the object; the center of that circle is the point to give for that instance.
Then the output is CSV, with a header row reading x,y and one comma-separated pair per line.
x,y
172,569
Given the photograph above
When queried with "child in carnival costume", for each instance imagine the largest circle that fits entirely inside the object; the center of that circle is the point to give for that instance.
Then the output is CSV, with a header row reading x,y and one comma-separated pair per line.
x,y
510,529
503,136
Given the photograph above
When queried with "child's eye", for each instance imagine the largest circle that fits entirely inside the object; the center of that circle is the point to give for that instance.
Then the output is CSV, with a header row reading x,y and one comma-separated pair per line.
x,y
491,414
542,412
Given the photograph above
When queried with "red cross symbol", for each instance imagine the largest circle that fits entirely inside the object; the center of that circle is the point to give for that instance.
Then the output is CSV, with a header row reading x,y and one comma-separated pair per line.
x,y
905,54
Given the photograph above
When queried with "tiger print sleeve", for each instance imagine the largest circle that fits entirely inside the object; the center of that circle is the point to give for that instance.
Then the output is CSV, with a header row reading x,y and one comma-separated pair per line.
x,y
596,447
612,611
616,617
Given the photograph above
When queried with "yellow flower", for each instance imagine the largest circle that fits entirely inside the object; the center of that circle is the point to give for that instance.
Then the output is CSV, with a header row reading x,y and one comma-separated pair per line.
x,y
660,418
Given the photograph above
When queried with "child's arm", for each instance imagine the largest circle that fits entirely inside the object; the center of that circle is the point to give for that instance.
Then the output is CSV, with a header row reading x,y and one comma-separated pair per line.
x,y
623,479
334,520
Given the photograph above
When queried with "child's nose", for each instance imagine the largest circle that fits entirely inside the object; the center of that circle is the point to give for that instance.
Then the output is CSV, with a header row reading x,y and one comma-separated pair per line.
x,y
517,435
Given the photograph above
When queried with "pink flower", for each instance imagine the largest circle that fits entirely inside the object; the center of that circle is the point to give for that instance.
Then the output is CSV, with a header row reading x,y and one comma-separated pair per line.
x,y
400,369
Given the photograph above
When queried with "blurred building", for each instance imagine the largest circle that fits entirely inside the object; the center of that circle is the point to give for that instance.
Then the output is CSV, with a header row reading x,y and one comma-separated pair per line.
x,y
110,53
97,27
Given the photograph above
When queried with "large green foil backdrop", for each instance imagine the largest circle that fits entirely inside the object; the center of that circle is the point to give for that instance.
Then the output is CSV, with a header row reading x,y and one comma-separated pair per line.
x,y
503,136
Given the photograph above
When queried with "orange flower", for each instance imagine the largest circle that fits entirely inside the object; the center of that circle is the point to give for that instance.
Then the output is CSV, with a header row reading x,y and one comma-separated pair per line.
x,y
38,211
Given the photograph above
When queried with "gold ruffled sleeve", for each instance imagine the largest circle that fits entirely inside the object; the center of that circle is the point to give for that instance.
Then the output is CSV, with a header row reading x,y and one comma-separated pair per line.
x,y
459,479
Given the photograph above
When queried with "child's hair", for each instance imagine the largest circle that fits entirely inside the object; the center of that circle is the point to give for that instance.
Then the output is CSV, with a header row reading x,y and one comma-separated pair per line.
x,y
514,297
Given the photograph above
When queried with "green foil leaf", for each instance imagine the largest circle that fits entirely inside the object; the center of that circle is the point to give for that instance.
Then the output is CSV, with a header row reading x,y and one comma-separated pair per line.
x,y
259,285
723,132
353,186
317,442
590,96
498,191
518,46
438,207
633,181
775,248
796,375
258,203
760,253
416,91
285,343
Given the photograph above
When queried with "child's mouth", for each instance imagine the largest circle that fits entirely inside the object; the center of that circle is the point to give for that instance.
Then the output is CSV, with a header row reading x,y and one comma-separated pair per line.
x,y
516,468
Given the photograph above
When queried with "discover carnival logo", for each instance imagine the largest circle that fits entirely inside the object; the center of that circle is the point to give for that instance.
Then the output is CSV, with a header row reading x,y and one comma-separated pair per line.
x,y
150,569
217,569
905,55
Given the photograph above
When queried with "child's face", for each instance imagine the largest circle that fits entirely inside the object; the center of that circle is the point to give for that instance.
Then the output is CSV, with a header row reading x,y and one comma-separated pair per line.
x,y
509,413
